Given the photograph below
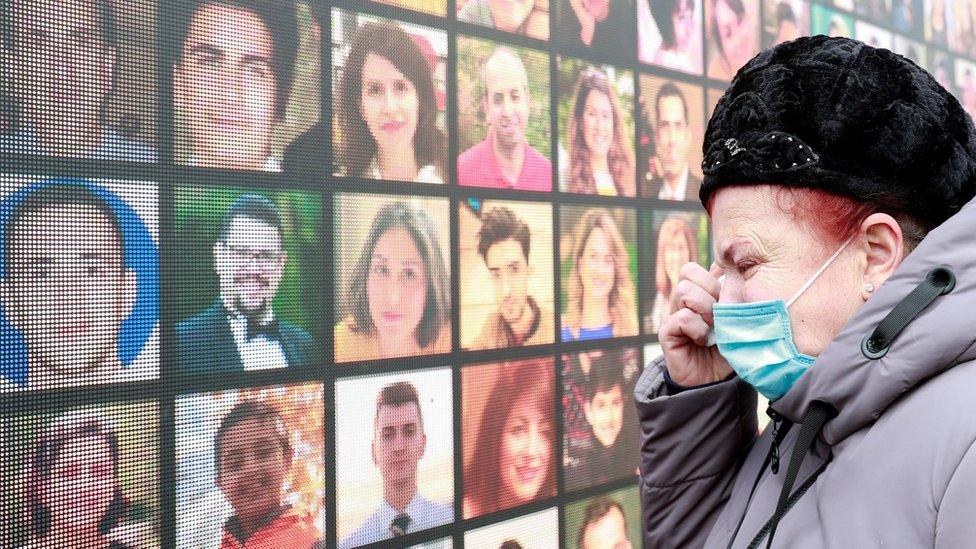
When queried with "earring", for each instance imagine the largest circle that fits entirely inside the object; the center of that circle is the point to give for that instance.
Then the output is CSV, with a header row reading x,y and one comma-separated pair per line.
x,y
869,288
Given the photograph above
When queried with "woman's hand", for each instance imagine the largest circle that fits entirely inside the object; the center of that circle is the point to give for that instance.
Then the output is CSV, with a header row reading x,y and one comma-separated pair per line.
x,y
683,335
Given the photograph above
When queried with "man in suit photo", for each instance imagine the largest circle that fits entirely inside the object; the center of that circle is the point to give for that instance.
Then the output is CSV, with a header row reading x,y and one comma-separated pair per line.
x,y
239,331
669,175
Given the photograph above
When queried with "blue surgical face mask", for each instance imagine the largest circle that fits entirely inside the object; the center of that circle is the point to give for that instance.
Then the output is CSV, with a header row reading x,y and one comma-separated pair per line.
x,y
757,340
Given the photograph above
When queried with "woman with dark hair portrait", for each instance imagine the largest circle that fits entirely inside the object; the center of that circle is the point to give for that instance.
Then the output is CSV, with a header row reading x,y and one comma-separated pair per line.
x,y
938,27
675,247
514,459
596,23
732,34
398,301
678,42
600,159
600,292
74,497
387,109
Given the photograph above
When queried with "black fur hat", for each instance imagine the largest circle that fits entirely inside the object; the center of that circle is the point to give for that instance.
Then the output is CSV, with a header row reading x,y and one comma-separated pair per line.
x,y
838,115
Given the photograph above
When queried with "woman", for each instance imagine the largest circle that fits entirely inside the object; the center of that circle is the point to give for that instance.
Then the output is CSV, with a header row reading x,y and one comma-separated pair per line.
x,y
938,26
733,37
398,301
675,247
387,109
677,44
600,160
595,23
600,290
514,460
74,496
834,304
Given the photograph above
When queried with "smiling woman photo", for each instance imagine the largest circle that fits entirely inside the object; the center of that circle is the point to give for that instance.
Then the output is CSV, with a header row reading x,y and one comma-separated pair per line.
x,y
514,459
600,291
601,159
387,109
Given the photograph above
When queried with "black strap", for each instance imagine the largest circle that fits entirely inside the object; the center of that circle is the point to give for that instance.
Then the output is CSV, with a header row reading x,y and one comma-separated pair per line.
x,y
781,426
938,281
793,499
818,414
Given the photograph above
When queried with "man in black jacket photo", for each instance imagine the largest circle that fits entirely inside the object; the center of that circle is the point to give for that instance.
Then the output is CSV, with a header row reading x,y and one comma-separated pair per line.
x,y
239,331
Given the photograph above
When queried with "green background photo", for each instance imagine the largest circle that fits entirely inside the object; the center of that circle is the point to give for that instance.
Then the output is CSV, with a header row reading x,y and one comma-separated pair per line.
x,y
199,212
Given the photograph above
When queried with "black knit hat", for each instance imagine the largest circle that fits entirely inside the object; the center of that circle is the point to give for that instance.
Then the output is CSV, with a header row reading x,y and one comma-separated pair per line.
x,y
838,115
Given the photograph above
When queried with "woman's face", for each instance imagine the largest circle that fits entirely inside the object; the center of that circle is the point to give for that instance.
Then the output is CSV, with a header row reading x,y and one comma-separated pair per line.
x,y
397,286
82,485
597,267
598,123
676,254
526,450
767,254
390,104
735,34
683,20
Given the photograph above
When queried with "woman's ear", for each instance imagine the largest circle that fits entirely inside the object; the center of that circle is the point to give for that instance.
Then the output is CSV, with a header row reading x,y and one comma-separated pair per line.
x,y
883,248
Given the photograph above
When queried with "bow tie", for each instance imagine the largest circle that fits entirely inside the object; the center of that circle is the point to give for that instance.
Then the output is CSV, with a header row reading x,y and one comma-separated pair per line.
x,y
269,330
399,525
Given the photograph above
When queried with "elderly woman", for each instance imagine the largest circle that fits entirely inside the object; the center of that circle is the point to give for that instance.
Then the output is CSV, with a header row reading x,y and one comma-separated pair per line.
x,y
835,177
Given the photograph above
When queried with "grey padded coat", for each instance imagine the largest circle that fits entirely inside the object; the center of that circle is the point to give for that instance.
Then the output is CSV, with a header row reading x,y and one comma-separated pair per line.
x,y
897,467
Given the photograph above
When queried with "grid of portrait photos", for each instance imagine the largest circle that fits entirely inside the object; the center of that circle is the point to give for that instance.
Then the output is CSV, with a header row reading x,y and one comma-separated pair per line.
x,y
334,273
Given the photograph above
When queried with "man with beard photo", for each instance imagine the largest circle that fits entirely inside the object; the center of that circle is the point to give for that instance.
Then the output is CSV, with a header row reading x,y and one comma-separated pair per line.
x,y
239,332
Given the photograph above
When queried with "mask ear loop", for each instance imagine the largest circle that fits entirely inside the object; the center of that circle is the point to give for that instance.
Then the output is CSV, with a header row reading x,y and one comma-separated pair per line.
x,y
819,272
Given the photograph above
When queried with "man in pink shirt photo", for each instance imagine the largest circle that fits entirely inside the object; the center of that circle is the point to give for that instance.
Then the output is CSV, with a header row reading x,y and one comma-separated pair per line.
x,y
505,159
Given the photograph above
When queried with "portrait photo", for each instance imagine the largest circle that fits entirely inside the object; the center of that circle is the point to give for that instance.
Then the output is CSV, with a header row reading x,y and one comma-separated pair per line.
x,y
906,16
607,521
596,129
538,530
250,469
599,424
961,26
81,477
914,50
965,85
943,69
245,80
79,282
937,13
599,272
872,35
395,455
824,20
600,25
732,31
506,276
526,17
392,284
671,128
503,116
80,79
785,20
669,34
247,278
878,10
389,99
673,238
508,434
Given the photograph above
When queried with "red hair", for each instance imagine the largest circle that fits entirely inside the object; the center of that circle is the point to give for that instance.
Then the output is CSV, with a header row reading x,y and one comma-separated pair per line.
x,y
833,216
